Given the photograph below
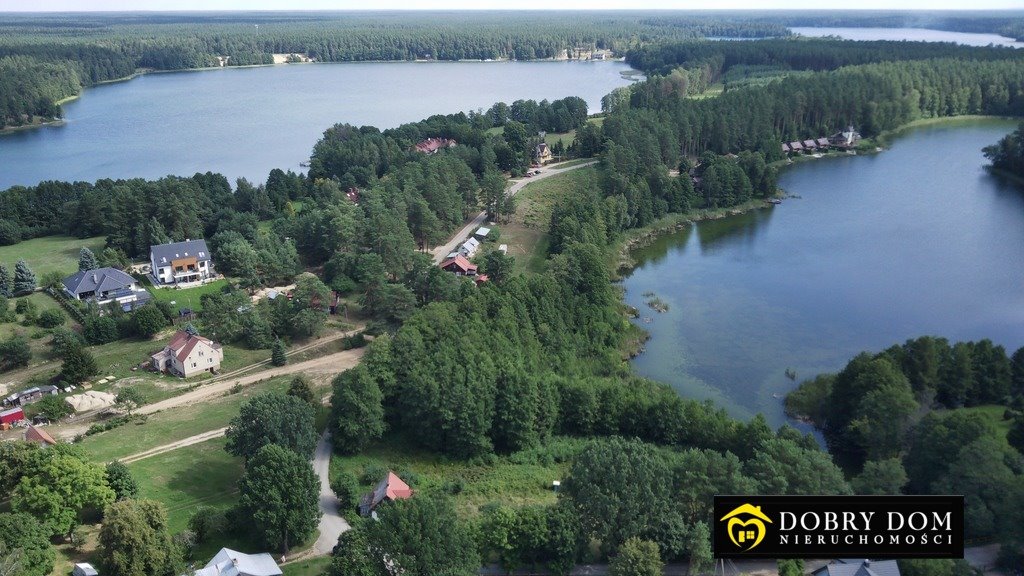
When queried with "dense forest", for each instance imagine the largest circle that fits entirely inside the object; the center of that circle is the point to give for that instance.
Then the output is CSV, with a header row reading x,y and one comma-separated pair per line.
x,y
44,59
924,417
1008,154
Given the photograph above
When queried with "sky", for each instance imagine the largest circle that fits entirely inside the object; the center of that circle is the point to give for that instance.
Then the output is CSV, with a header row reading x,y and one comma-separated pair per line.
x,y
122,5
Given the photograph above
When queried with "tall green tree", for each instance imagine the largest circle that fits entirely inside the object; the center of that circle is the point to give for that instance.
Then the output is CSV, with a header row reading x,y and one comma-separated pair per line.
x,y
78,365
636,557
272,418
6,283
121,480
24,279
57,486
23,533
134,540
357,415
278,355
87,260
881,477
280,493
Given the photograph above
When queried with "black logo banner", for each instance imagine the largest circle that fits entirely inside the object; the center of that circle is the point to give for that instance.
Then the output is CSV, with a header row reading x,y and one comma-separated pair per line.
x,y
876,527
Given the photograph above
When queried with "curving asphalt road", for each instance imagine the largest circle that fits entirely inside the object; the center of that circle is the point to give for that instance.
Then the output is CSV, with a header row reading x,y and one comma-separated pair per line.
x,y
331,523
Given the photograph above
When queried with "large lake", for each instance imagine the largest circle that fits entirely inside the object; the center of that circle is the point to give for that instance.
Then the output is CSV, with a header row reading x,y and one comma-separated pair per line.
x,y
911,34
916,240
246,121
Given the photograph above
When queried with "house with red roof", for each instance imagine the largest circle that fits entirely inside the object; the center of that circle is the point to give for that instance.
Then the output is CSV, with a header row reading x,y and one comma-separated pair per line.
x,y
459,266
188,354
389,489
39,436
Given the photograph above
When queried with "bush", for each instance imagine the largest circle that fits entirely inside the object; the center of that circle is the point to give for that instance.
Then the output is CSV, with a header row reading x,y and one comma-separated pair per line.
x,y
50,318
101,330
14,353
372,473
53,407
346,488
147,321
207,523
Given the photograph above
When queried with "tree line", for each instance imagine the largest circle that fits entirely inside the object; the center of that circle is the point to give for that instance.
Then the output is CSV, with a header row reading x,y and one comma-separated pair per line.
x,y
905,420
1008,154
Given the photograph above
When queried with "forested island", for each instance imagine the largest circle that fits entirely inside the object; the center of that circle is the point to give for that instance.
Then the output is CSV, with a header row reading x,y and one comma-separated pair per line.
x,y
525,368
1007,155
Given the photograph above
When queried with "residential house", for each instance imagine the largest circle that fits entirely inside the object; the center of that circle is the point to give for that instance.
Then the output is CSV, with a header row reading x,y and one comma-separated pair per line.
x,y
106,285
39,436
11,417
84,569
858,567
481,233
810,144
188,354
180,263
542,153
389,489
432,145
822,143
469,247
228,562
845,139
459,266
796,146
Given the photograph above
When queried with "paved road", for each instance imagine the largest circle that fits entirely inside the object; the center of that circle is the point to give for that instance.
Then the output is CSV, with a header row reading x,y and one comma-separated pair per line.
x,y
331,523
441,251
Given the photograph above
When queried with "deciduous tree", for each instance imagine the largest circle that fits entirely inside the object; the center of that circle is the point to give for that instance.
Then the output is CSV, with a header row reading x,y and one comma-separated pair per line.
x,y
281,494
272,418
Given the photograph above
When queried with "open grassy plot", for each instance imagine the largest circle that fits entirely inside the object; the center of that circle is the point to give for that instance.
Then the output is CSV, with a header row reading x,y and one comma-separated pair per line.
x,y
310,567
994,414
187,297
519,479
50,253
527,233
188,478
172,425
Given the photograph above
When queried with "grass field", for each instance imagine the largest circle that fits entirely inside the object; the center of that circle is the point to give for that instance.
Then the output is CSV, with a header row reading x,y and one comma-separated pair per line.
x,y
173,425
187,297
527,233
516,480
995,414
188,478
49,253
311,567
38,338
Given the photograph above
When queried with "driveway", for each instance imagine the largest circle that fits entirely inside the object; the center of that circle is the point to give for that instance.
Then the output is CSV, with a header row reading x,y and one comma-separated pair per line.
x,y
331,523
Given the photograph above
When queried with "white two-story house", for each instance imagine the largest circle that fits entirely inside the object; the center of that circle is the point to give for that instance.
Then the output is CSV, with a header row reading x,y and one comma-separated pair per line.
x,y
180,263
188,354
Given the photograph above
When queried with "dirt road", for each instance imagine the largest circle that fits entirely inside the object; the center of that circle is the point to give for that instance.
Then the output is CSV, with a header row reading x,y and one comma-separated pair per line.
x,y
441,251
329,365
198,438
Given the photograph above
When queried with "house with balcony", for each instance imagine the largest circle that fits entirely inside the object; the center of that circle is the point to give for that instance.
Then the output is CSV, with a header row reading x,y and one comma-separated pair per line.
x,y
177,263
188,354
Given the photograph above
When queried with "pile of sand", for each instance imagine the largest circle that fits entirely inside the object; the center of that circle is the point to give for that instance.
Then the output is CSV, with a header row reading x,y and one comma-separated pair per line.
x,y
91,400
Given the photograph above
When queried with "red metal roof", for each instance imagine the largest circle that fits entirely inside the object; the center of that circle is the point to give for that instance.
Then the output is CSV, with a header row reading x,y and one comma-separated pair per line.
x,y
461,262
33,434
11,416
183,343
397,488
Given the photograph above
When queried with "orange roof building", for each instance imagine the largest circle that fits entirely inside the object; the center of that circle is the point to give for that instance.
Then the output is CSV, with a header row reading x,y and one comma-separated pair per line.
x,y
389,489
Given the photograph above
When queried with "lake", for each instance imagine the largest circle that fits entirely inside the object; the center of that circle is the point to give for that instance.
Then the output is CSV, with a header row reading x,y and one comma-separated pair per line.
x,y
916,240
247,121
911,34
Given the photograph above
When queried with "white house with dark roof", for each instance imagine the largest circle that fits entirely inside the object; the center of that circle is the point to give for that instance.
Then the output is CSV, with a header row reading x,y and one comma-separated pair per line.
x,y
106,285
180,263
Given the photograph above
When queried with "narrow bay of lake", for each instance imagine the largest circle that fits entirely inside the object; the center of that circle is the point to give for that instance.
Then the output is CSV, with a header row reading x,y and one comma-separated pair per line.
x,y
910,35
247,121
919,239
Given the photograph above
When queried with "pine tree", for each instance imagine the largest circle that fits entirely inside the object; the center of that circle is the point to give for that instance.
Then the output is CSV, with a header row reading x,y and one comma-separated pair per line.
x,y
87,260
24,279
277,354
6,286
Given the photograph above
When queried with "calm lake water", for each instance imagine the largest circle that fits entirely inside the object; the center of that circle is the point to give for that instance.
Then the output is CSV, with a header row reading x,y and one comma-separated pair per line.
x,y
247,121
912,34
917,240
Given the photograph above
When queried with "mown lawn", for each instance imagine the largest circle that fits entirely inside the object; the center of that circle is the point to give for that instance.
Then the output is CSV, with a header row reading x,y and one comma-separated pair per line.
x,y
50,253
311,567
173,425
994,413
527,233
519,479
187,297
188,478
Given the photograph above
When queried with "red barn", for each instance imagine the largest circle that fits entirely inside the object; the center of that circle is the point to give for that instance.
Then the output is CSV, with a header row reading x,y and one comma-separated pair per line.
x,y
11,416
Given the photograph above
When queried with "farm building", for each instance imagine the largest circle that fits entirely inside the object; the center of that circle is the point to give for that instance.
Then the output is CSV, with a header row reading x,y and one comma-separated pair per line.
x,y
11,417
389,489
188,354
30,395
39,436
180,263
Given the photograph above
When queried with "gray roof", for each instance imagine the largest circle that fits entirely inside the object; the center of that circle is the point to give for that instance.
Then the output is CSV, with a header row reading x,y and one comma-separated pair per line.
x,y
228,562
98,280
163,254
859,567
